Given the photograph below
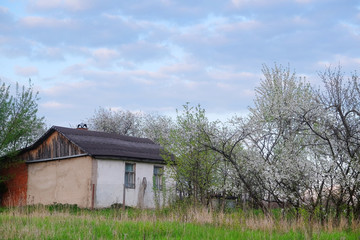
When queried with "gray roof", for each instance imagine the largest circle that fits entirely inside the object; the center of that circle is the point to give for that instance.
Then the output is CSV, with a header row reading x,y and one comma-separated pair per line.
x,y
109,145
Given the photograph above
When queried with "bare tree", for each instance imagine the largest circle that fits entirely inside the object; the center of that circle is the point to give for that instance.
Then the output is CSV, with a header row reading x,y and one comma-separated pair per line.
x,y
156,127
116,121
338,130
229,141
270,150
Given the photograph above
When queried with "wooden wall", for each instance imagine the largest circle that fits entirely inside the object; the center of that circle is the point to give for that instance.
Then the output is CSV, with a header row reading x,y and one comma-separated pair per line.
x,y
54,146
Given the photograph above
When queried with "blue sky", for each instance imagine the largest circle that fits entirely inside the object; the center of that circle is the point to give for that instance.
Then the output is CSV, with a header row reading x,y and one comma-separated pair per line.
x,y
156,55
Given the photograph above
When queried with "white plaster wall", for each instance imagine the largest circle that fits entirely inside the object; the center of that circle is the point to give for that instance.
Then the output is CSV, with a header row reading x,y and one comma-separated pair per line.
x,y
110,184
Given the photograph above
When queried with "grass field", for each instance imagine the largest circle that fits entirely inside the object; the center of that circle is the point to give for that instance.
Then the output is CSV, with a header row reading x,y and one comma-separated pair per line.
x,y
72,223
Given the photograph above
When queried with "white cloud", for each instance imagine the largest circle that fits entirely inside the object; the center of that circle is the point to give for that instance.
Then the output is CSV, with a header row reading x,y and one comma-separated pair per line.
x,y
254,3
105,54
55,105
37,21
180,68
65,88
103,57
4,10
50,53
305,1
230,74
74,69
71,5
225,86
27,71
353,28
246,25
144,51
46,4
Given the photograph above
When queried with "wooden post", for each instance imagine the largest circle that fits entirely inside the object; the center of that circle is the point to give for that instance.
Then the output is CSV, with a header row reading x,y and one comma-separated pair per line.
x,y
123,204
93,197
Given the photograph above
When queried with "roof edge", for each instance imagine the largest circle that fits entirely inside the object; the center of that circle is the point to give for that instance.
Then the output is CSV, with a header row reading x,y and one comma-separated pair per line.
x,y
57,158
143,160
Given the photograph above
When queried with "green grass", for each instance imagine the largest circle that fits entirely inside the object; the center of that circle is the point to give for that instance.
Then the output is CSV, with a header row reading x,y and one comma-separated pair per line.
x,y
73,223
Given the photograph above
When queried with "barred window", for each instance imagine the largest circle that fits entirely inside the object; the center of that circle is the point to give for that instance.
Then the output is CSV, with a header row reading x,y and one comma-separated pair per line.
x,y
129,175
158,177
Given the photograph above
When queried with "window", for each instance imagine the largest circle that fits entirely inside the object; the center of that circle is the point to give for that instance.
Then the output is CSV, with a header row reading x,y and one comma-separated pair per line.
x,y
129,175
158,177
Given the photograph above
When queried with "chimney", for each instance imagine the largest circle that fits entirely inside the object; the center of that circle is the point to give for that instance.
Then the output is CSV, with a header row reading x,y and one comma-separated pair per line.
x,y
82,126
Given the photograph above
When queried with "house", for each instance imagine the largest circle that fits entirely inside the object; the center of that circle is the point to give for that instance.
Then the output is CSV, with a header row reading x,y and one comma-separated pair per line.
x,y
91,169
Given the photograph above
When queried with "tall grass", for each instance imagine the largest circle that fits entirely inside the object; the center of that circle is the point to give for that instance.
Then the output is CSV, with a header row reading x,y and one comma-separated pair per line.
x,y
178,222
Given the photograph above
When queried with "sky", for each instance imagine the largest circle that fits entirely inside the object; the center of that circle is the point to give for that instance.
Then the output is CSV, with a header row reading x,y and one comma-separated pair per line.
x,y
154,56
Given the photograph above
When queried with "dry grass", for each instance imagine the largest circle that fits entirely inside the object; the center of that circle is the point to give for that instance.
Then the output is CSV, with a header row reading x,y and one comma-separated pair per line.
x,y
198,215
22,222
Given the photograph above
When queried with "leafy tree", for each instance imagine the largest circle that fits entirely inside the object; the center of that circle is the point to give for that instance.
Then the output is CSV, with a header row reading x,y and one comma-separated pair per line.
x,y
19,121
194,165
18,117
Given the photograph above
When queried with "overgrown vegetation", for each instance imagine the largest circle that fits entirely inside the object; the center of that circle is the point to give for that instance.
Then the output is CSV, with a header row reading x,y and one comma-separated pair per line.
x,y
298,148
19,124
182,221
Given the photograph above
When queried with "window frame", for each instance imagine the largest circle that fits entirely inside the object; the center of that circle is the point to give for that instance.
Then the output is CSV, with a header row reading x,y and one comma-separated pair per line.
x,y
158,178
130,175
